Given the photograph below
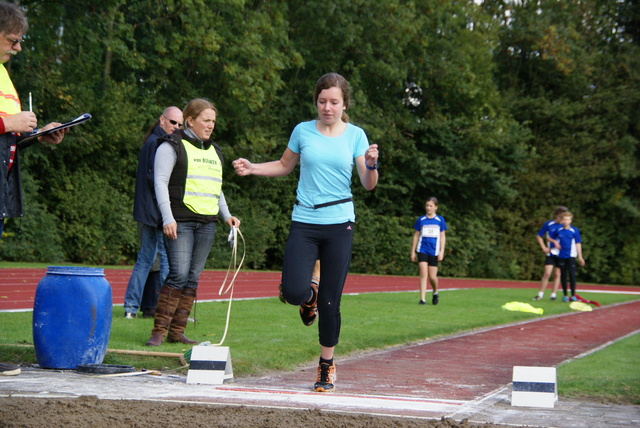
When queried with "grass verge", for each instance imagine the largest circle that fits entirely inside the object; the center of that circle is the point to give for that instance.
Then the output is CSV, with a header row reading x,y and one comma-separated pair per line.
x,y
609,375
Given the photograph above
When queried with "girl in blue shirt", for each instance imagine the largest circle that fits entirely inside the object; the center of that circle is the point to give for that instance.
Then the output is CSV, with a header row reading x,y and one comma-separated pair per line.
x,y
323,217
429,241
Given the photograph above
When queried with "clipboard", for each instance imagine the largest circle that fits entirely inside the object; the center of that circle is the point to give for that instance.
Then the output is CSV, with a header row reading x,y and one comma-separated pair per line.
x,y
78,120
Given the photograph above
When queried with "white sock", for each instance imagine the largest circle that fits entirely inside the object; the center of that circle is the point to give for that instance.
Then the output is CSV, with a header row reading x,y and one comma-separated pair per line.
x,y
540,294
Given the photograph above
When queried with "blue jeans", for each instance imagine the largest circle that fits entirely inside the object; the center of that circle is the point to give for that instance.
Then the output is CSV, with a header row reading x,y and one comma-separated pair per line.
x,y
151,243
188,253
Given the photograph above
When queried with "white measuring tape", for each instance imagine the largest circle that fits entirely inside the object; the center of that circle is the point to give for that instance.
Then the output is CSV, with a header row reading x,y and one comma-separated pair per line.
x,y
233,242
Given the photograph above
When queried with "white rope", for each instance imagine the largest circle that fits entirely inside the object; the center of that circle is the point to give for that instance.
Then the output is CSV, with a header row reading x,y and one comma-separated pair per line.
x,y
233,242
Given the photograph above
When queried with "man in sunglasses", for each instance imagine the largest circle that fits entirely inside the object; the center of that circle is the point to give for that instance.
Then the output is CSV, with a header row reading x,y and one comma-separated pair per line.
x,y
145,212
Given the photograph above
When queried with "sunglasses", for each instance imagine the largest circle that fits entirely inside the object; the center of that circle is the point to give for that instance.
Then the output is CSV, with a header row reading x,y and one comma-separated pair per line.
x,y
173,122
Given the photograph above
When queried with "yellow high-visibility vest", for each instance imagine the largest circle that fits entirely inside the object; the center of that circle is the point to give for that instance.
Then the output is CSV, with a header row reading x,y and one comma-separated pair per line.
x,y
204,179
9,101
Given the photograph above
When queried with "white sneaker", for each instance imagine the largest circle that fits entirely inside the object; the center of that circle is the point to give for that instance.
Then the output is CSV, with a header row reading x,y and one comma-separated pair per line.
x,y
6,370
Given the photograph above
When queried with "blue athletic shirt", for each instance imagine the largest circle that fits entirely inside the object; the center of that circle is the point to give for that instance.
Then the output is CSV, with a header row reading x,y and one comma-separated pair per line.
x,y
568,238
326,166
430,229
548,229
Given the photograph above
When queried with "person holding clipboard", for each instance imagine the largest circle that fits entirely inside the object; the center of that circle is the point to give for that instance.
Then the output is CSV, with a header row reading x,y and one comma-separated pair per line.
x,y
16,126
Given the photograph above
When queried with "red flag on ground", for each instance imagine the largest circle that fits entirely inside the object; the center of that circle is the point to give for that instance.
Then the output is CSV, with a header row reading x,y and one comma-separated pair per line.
x,y
593,302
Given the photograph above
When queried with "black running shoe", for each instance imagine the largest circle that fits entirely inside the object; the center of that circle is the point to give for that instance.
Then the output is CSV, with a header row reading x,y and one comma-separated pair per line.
x,y
326,378
434,299
309,310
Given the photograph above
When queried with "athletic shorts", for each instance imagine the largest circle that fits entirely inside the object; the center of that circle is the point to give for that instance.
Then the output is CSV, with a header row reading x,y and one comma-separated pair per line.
x,y
551,260
431,260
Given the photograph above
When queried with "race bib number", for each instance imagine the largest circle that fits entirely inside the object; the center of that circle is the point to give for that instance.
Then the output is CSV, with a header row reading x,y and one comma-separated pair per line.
x,y
430,231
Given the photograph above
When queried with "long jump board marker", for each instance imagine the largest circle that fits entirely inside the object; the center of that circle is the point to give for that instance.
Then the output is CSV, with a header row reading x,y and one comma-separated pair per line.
x,y
534,387
210,365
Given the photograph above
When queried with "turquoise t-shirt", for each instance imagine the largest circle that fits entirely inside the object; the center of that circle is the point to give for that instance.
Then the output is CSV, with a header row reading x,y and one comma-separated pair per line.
x,y
326,166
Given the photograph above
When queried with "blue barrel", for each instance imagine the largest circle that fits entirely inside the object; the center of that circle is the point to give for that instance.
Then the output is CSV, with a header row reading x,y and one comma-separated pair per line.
x,y
71,317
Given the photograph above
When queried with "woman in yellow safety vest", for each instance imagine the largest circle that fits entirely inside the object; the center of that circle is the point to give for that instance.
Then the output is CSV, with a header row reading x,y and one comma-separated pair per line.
x,y
188,186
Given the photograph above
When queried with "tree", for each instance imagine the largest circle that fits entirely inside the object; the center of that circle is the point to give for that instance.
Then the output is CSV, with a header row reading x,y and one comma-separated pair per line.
x,y
501,110
568,74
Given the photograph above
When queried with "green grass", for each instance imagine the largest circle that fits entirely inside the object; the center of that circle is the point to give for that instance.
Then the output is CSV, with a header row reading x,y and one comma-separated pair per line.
x,y
610,375
266,335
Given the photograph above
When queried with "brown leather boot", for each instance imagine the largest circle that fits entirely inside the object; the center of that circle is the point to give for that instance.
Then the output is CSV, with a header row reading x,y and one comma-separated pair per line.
x,y
180,318
167,302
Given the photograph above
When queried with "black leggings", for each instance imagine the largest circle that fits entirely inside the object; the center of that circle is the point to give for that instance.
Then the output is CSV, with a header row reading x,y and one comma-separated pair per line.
x,y
332,244
568,269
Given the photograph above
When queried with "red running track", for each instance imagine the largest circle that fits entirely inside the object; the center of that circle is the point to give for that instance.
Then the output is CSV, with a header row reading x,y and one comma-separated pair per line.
x,y
18,285
474,364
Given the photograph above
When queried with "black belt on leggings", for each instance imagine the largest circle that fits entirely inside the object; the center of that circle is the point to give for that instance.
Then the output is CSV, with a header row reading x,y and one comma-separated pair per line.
x,y
326,204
